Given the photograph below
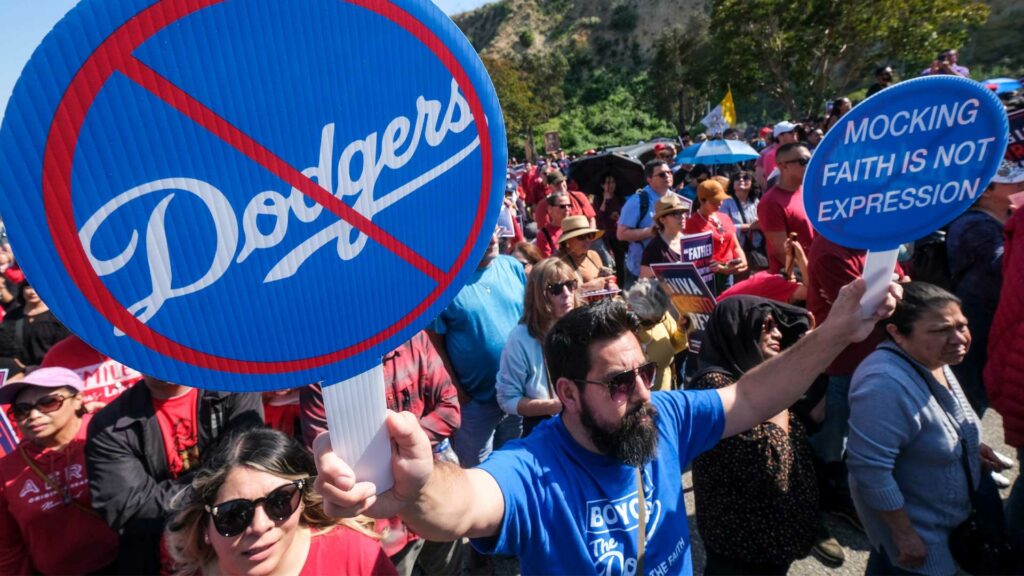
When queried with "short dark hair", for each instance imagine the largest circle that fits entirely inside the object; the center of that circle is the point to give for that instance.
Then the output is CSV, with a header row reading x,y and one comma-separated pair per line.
x,y
882,70
699,169
919,298
786,148
652,165
567,346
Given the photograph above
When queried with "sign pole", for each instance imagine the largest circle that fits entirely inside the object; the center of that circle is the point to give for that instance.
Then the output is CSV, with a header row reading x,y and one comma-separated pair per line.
x,y
355,421
877,275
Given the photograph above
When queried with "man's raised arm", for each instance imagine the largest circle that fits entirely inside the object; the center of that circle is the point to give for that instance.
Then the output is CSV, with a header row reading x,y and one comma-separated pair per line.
x,y
438,500
776,384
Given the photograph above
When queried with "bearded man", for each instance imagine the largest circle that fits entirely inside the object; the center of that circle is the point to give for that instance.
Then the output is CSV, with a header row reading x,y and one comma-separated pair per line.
x,y
597,489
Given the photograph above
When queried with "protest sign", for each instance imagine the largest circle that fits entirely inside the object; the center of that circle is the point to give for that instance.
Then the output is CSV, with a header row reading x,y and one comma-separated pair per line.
x,y
691,297
1015,147
249,215
697,249
900,165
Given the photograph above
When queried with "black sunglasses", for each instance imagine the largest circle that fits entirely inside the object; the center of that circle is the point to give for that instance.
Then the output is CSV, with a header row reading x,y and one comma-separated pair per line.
x,y
556,289
620,386
743,178
801,161
45,405
231,518
663,174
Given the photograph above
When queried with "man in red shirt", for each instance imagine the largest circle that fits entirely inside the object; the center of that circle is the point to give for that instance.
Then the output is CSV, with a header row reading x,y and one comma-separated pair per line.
x,y
416,381
578,201
783,133
547,235
781,210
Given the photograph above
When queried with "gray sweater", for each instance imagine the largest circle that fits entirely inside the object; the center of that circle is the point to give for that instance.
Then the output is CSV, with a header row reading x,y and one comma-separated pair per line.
x,y
904,452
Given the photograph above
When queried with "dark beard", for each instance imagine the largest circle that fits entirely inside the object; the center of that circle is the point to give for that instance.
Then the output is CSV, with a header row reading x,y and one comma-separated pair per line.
x,y
634,442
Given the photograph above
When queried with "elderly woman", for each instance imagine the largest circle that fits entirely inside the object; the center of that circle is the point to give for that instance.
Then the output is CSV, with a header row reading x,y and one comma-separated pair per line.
x,y
666,246
47,525
661,337
575,240
251,509
913,436
522,383
756,492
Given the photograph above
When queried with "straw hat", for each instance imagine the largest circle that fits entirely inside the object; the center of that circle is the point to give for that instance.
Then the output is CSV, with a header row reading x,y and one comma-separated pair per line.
x,y
669,204
575,226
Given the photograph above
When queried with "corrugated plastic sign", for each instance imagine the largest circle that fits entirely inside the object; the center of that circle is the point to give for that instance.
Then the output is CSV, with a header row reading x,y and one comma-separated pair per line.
x,y
251,194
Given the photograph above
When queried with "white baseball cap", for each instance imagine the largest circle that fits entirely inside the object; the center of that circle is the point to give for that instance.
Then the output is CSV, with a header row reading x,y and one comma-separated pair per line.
x,y
782,128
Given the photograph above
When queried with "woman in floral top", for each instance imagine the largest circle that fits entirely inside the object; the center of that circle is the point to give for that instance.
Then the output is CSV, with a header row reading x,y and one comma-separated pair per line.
x,y
756,493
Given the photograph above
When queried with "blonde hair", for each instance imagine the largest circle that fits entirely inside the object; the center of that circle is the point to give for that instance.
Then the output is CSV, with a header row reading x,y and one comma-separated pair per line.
x,y
261,449
537,313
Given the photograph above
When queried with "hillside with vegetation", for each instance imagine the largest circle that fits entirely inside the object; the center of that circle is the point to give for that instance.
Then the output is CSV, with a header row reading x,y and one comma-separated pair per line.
x,y
608,72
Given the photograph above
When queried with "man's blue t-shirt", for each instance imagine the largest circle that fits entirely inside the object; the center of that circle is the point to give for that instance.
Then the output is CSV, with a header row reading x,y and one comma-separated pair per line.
x,y
477,323
570,511
630,217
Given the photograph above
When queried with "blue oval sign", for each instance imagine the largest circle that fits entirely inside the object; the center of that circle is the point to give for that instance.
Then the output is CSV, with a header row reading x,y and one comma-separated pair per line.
x,y
250,195
905,162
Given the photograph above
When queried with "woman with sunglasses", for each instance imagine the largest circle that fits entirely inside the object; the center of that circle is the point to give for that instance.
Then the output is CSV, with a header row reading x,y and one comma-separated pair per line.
x,y
756,492
727,257
574,243
666,246
251,510
47,524
522,387
741,207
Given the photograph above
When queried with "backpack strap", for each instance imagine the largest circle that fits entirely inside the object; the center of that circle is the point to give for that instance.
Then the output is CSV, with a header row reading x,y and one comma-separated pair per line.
x,y
645,205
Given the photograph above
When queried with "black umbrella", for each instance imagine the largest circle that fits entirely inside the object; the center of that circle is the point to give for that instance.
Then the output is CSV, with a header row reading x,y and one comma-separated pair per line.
x,y
589,173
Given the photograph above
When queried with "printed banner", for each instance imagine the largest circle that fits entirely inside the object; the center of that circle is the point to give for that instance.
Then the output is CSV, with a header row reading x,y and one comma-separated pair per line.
x,y
697,249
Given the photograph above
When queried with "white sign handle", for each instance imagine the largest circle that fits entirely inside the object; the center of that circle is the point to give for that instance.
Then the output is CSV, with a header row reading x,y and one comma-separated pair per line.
x,y
878,275
355,420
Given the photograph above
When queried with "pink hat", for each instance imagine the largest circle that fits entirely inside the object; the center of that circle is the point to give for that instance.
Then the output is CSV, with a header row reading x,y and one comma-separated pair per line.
x,y
45,377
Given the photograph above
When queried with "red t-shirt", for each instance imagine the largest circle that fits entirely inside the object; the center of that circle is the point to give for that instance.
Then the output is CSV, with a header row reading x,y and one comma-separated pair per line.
x,y
580,205
783,211
765,285
179,428
723,234
38,532
342,550
830,267
547,240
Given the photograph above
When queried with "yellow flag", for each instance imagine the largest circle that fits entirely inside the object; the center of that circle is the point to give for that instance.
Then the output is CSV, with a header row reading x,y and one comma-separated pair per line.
x,y
729,109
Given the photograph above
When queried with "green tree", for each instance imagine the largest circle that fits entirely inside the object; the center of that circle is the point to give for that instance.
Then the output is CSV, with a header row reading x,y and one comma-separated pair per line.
x,y
801,52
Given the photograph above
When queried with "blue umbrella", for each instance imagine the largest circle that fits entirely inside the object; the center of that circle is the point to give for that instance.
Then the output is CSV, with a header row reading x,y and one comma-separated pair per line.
x,y
713,152
1003,85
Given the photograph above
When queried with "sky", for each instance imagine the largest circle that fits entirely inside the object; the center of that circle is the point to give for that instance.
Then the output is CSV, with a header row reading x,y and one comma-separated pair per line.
x,y
26,22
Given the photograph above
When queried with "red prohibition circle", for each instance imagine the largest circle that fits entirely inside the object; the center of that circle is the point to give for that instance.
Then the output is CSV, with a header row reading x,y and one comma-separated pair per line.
x,y
115,54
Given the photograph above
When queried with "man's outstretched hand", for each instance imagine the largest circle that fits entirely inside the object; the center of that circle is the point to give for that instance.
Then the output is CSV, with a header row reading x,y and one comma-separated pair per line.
x,y
846,317
412,463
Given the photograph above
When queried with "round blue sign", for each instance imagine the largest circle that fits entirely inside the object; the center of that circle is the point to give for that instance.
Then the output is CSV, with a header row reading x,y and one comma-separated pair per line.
x,y
905,162
251,194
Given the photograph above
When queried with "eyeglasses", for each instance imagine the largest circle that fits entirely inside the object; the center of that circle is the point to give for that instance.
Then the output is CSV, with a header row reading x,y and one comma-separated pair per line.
x,y
743,178
803,160
45,405
620,386
556,289
769,324
231,518
664,175
562,206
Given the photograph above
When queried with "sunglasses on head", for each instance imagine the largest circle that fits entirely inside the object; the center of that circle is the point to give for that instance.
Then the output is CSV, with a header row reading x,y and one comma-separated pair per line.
x,y
620,386
556,289
45,405
231,518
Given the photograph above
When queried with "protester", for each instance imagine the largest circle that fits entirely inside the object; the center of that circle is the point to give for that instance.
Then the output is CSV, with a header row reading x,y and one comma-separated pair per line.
x,y
946,63
660,336
727,258
666,246
574,242
741,207
523,387
549,498
415,380
1005,362
698,174
883,79
28,331
47,525
974,248
251,510
840,106
606,219
470,335
638,215
781,210
144,447
549,233
756,493
910,423
782,133
527,255
579,204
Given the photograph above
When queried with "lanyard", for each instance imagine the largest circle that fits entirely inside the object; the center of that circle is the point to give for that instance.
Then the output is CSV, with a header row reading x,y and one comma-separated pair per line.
x,y
64,492
642,536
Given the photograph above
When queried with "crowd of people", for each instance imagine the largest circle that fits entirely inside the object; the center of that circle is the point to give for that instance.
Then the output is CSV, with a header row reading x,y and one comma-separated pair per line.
x,y
548,414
